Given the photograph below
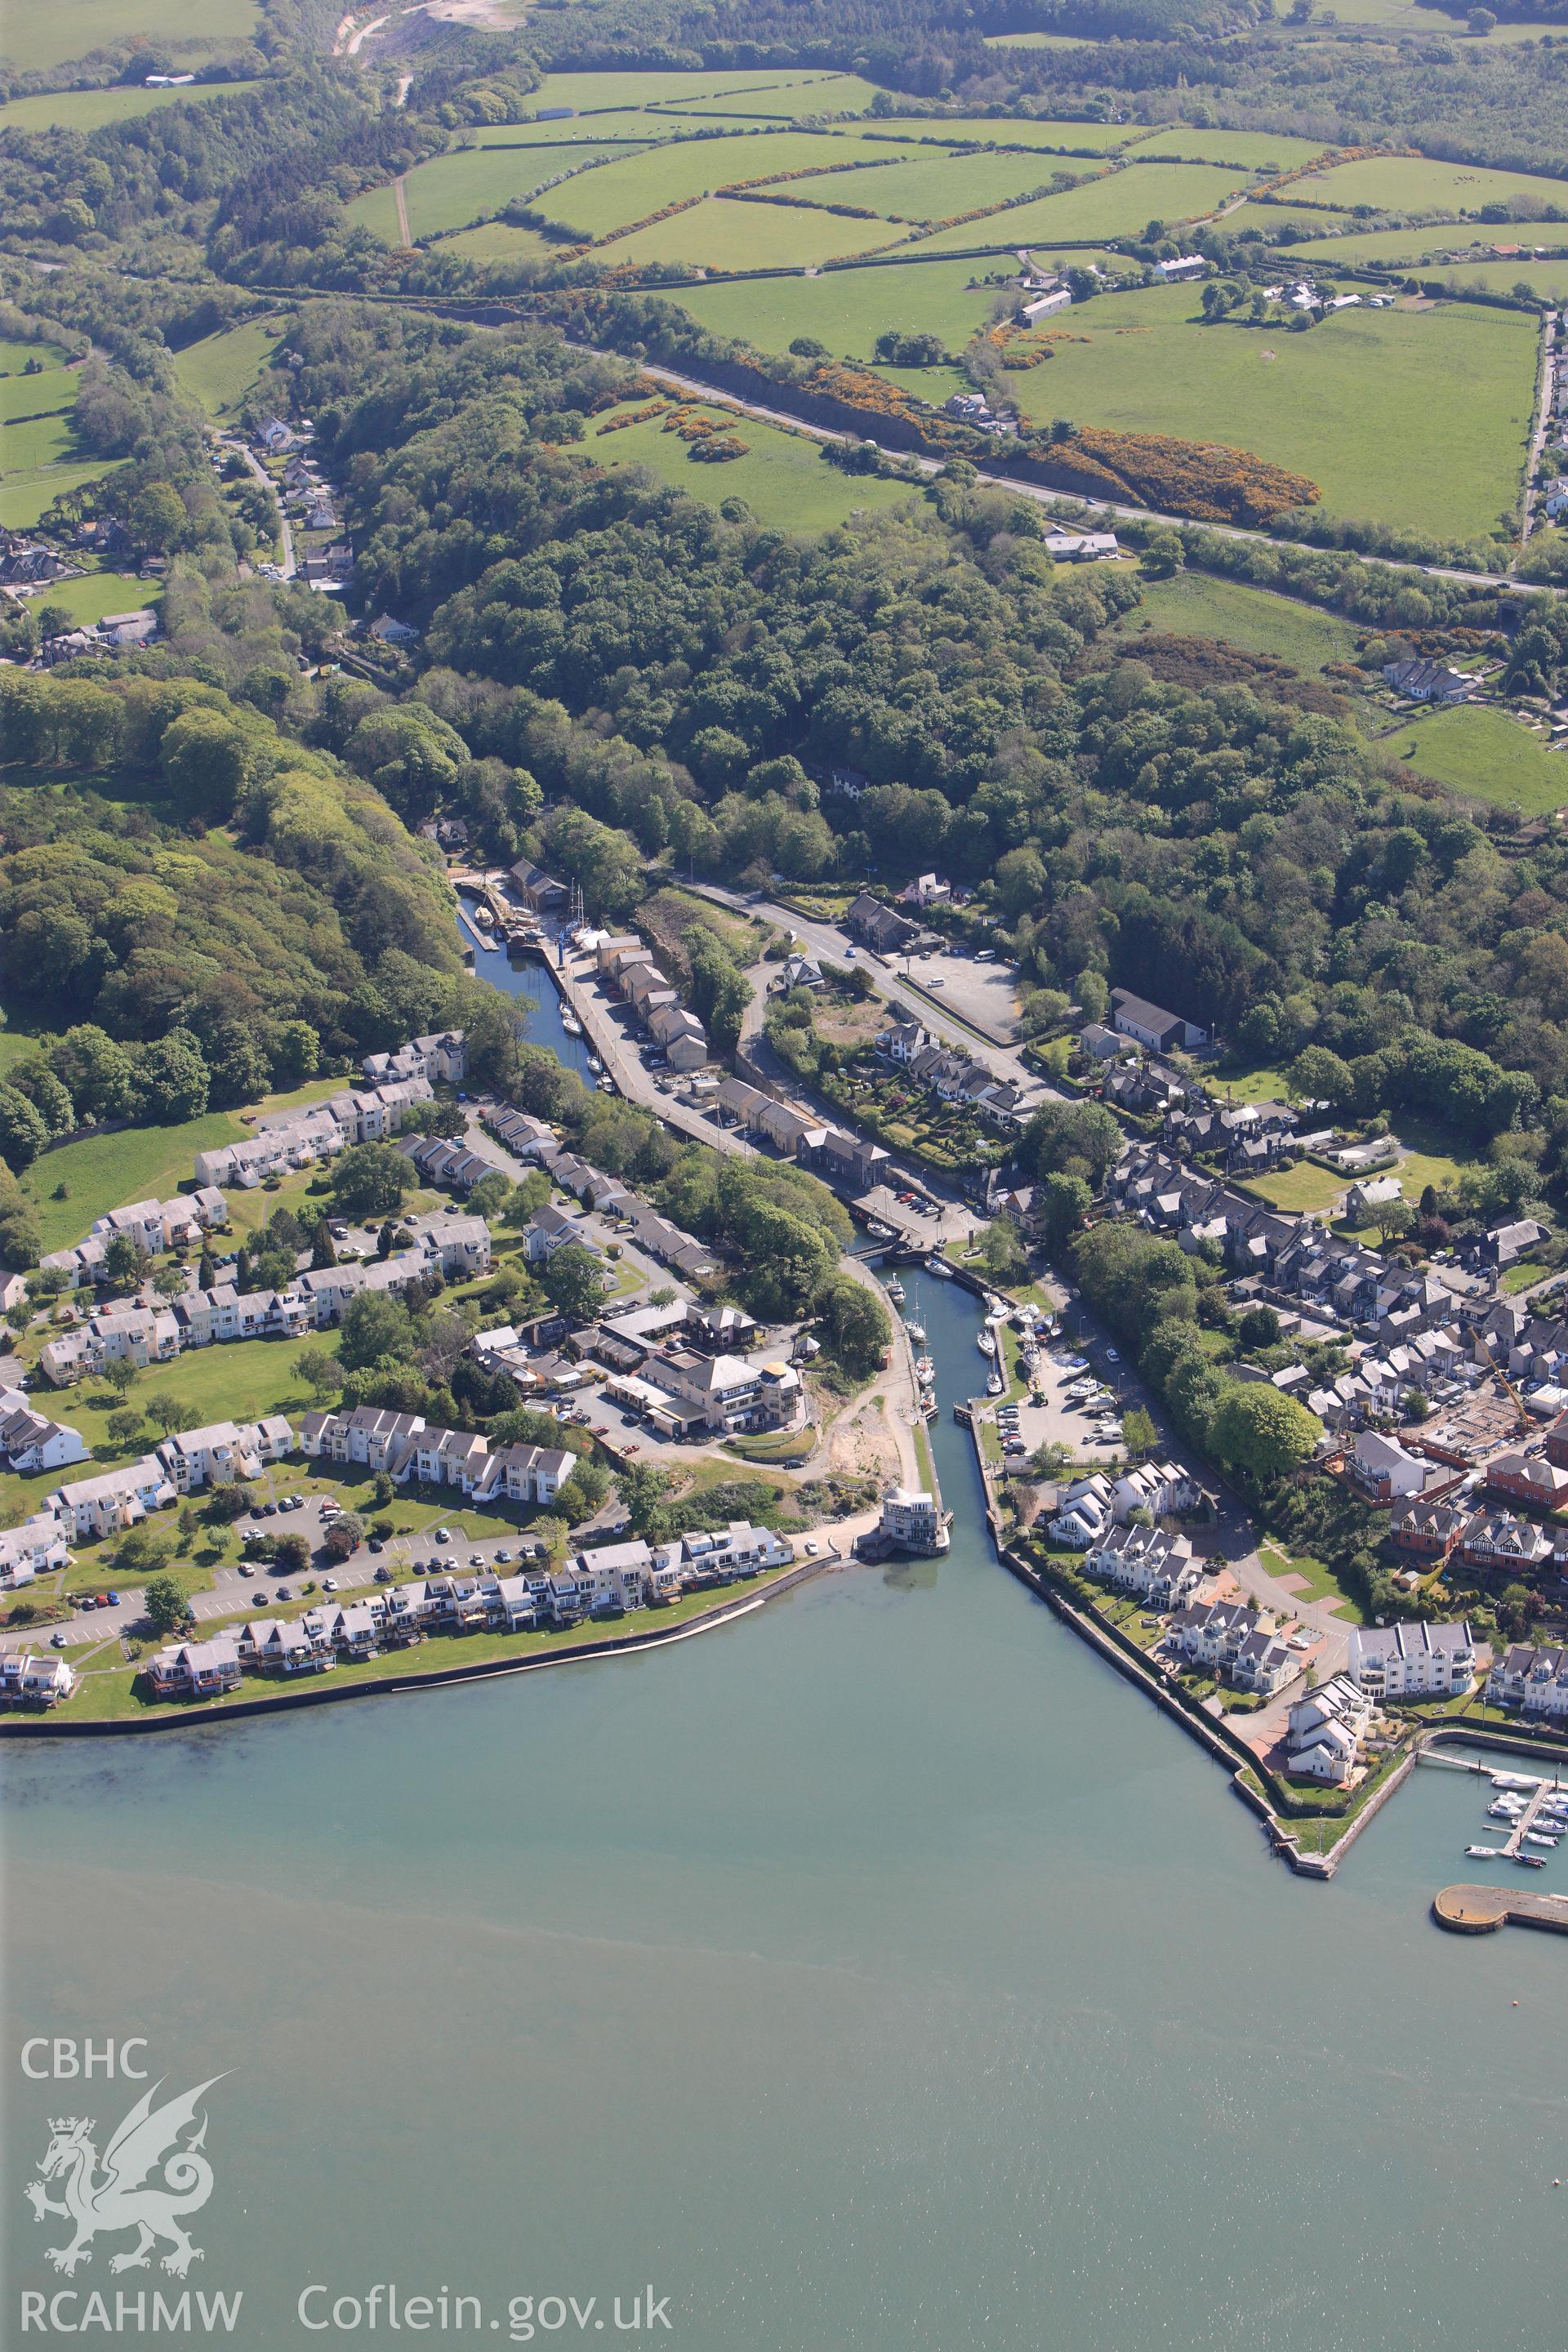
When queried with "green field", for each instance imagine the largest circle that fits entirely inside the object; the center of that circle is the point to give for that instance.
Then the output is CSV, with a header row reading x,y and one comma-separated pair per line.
x,y
36,395
1409,183
783,478
1196,604
1335,404
1255,150
784,100
104,1171
1272,220
89,110
847,308
39,34
25,496
1036,41
591,92
1353,246
1079,138
14,355
459,189
723,234
1484,752
98,593
635,186
1546,279
564,140
499,241
935,186
221,369
38,441
1120,205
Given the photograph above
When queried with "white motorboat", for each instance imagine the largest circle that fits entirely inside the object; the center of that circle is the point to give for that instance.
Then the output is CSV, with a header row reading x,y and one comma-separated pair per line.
x,y
1491,1852
995,1385
1516,1781
918,1334
896,1291
1533,1837
570,1022
595,1065
942,1273
985,1342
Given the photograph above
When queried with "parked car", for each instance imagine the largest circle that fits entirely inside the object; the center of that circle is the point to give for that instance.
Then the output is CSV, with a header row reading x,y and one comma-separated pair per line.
x,y
443,1535
114,1600
58,1641
328,1583
285,1592
375,1543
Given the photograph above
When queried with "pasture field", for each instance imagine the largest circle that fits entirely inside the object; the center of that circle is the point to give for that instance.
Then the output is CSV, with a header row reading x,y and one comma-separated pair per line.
x,y
1272,219
90,110
1408,183
1255,150
1404,17
1121,204
847,308
14,355
1546,279
590,93
633,127
89,598
453,191
1008,130
1036,41
635,186
1353,246
376,210
1335,404
1473,750
1198,604
26,496
220,370
723,233
936,186
784,478
39,34
498,241
784,101
36,395
38,441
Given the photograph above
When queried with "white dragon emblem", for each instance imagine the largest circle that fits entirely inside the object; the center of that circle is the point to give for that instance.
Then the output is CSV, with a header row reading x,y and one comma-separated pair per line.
x,y
123,2197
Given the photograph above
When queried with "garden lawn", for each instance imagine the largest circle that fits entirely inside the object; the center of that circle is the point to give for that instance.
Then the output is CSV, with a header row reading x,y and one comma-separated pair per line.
x,y
1484,752
39,34
90,110
1197,605
784,478
1401,183
1263,1084
1318,1582
846,308
1303,1188
723,233
45,395
1334,402
1429,1159
105,1171
221,369
1116,204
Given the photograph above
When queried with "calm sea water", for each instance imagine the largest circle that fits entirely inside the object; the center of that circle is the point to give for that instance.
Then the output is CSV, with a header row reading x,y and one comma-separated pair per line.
x,y
880,1972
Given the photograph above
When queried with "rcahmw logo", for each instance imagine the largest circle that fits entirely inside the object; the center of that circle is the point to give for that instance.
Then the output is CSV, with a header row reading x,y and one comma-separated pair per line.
x,y
154,2174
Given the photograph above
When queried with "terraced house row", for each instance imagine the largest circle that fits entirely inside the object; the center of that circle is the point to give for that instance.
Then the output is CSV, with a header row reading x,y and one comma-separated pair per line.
x,y
455,1245
604,1582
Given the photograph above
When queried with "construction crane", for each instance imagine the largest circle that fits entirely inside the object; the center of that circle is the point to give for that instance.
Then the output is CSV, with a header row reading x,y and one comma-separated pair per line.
x,y
1522,1425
